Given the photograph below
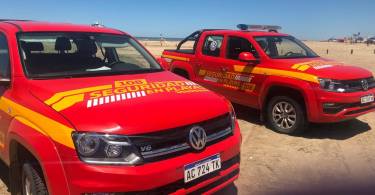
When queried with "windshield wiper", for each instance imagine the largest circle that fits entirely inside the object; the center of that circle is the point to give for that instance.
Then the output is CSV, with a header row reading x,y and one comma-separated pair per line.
x,y
91,74
294,57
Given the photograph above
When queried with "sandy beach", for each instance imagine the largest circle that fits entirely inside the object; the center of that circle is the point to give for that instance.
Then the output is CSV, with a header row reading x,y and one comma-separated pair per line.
x,y
328,157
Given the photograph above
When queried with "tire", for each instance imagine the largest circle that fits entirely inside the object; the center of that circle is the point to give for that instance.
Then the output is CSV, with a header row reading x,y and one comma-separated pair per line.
x,y
286,115
32,181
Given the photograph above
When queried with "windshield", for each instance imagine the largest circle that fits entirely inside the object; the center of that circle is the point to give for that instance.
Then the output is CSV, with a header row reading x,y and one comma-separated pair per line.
x,y
284,47
47,55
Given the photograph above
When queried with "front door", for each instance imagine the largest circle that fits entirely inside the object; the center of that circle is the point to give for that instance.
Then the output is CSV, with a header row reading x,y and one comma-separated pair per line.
x,y
5,118
242,84
209,66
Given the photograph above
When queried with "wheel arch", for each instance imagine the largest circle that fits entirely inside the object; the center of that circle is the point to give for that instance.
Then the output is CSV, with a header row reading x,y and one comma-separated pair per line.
x,y
296,89
182,67
40,149
279,90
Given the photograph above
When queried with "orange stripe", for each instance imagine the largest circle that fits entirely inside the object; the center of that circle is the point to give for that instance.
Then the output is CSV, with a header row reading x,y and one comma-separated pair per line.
x,y
276,72
68,101
58,132
176,58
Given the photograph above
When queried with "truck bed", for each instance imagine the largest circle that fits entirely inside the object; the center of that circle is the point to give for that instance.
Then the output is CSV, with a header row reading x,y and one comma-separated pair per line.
x,y
185,51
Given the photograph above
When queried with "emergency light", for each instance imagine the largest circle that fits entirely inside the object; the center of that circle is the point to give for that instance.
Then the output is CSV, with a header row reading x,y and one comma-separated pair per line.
x,y
270,28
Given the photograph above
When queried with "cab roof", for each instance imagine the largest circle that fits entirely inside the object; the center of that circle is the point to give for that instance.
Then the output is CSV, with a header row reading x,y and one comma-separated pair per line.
x,y
37,26
249,32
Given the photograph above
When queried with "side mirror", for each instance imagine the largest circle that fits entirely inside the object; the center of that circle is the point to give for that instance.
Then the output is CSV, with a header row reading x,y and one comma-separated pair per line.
x,y
247,57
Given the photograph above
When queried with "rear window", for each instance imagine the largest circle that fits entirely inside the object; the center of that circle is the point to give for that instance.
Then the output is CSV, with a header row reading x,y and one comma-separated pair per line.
x,y
212,45
46,55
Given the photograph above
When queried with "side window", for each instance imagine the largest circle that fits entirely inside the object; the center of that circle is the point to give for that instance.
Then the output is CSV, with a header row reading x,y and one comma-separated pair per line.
x,y
212,45
236,45
264,44
4,58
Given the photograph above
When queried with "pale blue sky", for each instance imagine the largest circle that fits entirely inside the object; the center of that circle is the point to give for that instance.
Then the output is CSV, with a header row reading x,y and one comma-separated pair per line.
x,y
317,19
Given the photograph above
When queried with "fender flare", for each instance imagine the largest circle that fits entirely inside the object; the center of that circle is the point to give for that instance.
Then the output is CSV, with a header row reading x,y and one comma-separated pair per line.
x,y
304,87
43,148
184,66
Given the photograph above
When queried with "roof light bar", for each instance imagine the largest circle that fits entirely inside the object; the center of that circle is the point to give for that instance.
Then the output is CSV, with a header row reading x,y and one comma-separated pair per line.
x,y
270,28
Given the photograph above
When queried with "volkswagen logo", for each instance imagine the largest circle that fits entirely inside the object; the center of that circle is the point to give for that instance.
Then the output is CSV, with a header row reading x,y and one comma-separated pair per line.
x,y
364,85
197,138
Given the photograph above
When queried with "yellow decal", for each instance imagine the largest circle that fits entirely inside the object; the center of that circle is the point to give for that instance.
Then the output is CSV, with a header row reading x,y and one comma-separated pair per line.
x,y
142,88
119,91
229,79
47,126
61,95
276,72
130,83
295,66
176,58
202,72
68,101
301,67
316,64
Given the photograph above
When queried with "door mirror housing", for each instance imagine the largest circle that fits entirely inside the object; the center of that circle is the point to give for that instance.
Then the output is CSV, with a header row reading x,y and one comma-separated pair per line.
x,y
247,57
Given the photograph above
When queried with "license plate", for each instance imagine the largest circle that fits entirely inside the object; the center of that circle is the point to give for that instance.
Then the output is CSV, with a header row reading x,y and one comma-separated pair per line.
x,y
367,99
203,167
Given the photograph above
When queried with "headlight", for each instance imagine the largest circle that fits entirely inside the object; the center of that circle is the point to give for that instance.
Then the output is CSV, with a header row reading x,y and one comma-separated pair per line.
x,y
95,148
333,85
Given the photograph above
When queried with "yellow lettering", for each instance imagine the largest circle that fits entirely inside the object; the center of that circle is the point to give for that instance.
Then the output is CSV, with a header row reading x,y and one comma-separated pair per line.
x,y
158,90
144,87
180,83
119,90
95,94
130,82
186,87
149,91
160,85
169,89
107,92
133,88
170,84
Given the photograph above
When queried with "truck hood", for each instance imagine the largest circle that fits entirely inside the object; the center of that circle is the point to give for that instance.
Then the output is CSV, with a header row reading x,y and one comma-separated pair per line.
x,y
324,68
129,104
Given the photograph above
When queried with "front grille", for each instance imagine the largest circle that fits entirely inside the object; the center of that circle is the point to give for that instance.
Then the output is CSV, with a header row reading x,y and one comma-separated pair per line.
x,y
356,85
180,184
172,142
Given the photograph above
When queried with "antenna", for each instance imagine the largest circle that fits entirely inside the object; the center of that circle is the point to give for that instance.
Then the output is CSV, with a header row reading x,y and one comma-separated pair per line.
x,y
97,24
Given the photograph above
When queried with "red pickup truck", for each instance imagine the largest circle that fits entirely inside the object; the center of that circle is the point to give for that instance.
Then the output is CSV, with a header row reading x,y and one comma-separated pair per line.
x,y
87,110
275,73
